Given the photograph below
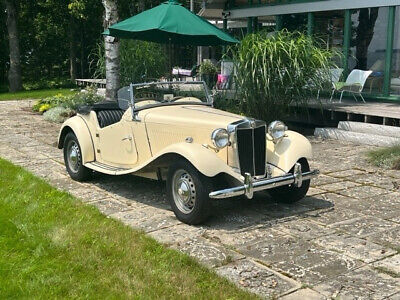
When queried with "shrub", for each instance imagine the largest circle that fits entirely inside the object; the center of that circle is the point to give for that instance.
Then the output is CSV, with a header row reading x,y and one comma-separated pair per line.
x,y
86,97
44,107
273,71
58,114
207,68
140,61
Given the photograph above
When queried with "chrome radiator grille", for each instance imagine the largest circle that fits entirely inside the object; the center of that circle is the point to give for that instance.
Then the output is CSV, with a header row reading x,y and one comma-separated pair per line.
x,y
251,147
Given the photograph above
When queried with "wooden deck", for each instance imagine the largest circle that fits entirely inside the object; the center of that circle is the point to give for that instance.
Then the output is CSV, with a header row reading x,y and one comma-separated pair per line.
x,y
386,113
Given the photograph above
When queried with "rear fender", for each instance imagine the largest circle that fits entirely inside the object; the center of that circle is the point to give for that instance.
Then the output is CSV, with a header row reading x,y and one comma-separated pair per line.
x,y
288,151
78,126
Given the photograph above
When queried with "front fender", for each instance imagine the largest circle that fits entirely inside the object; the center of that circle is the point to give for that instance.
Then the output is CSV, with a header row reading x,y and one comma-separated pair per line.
x,y
288,151
78,126
205,160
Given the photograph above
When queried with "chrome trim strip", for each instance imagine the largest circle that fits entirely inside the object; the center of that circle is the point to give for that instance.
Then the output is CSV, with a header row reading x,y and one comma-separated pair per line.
x,y
251,186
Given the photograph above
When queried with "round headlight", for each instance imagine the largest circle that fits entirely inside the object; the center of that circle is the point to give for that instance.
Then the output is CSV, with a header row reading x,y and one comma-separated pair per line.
x,y
277,130
220,138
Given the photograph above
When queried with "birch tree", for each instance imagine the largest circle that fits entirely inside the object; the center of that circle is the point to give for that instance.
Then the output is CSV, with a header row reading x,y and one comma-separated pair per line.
x,y
14,73
111,51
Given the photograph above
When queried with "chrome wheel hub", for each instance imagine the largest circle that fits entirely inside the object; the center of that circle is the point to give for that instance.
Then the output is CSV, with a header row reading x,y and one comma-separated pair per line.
x,y
74,156
184,191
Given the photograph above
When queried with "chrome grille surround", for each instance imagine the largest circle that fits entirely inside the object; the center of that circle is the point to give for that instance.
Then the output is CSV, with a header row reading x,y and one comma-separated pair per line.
x,y
256,165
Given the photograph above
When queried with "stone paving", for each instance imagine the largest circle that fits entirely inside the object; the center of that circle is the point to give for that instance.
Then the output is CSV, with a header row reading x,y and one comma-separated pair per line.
x,y
342,241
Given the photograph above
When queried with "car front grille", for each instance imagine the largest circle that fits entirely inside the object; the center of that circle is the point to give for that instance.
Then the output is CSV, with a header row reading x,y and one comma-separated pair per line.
x,y
251,147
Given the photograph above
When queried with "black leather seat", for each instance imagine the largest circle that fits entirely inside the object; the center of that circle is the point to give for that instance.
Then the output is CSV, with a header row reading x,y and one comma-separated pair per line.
x,y
109,116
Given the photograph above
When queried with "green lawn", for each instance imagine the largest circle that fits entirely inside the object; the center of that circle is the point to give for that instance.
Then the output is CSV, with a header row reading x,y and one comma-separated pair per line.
x,y
35,94
388,158
54,246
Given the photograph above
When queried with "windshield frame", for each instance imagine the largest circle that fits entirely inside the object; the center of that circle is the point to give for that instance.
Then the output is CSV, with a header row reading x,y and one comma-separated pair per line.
x,y
135,85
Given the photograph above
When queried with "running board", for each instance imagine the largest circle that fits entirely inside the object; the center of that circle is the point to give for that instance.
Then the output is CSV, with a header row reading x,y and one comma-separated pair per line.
x,y
107,169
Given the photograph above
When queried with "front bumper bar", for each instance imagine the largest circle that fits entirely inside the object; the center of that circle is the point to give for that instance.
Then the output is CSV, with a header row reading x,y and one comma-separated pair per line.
x,y
250,186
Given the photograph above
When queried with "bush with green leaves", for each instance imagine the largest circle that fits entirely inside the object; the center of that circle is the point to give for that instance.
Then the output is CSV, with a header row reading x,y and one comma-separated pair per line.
x,y
85,97
140,61
274,72
58,114
207,68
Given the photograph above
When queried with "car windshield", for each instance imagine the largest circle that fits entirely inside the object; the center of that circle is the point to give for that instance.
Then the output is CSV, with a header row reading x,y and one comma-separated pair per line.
x,y
166,93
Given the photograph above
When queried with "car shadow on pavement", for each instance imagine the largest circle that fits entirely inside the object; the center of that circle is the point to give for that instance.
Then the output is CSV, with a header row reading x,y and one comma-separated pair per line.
x,y
228,214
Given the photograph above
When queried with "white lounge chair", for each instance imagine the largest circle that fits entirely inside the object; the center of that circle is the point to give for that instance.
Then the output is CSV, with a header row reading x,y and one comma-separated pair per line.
x,y
334,77
354,84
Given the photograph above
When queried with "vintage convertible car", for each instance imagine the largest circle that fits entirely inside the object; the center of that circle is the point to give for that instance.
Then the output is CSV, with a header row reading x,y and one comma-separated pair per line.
x,y
170,131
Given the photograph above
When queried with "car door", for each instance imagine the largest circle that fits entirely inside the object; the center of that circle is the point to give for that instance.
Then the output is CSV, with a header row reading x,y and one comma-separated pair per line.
x,y
117,144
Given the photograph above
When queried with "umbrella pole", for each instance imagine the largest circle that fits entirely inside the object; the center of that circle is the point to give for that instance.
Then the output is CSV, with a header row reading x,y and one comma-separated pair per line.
x,y
169,60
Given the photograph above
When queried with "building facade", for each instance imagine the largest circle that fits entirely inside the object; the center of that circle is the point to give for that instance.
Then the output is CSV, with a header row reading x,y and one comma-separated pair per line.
x,y
367,32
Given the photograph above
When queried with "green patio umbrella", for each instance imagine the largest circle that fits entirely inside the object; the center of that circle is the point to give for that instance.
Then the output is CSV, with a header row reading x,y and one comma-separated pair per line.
x,y
170,22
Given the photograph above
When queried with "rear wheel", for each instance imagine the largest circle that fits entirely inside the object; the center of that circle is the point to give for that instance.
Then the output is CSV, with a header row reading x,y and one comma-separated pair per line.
x,y
73,159
292,193
188,191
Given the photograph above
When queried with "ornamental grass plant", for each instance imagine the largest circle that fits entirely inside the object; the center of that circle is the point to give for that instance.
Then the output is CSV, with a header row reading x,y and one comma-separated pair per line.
x,y
275,73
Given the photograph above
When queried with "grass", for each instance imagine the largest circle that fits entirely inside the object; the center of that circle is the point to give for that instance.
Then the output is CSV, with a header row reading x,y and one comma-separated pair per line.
x,y
388,158
54,246
35,94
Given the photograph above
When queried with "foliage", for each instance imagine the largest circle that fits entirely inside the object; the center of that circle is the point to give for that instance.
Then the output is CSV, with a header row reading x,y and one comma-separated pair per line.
x,y
207,68
86,97
58,114
140,61
388,158
53,246
227,103
44,107
275,72
54,83
35,94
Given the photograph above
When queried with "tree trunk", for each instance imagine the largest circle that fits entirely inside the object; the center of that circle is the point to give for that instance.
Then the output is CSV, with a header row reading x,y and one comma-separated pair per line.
x,y
111,51
72,49
83,60
365,33
14,74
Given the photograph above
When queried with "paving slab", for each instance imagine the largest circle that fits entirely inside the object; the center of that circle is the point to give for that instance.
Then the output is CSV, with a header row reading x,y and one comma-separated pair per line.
x,y
208,253
390,265
363,226
300,259
363,283
306,293
364,191
257,278
388,238
354,247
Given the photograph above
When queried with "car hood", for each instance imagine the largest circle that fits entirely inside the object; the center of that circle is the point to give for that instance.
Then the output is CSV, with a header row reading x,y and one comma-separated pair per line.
x,y
189,116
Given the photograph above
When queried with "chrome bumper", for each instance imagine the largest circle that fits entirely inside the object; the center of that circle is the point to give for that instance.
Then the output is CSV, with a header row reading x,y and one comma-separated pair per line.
x,y
250,186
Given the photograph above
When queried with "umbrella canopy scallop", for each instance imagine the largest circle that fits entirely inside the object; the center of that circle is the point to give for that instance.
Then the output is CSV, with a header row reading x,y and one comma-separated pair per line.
x,y
170,22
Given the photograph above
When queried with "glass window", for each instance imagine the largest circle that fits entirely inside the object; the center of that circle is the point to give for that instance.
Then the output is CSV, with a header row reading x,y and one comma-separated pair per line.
x,y
395,76
295,22
368,45
328,28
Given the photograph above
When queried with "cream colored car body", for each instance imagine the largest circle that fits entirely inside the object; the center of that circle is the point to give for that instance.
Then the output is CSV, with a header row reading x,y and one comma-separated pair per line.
x,y
160,135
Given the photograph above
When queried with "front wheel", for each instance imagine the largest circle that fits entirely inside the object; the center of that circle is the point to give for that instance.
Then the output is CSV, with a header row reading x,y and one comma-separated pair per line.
x,y
292,193
188,191
73,159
